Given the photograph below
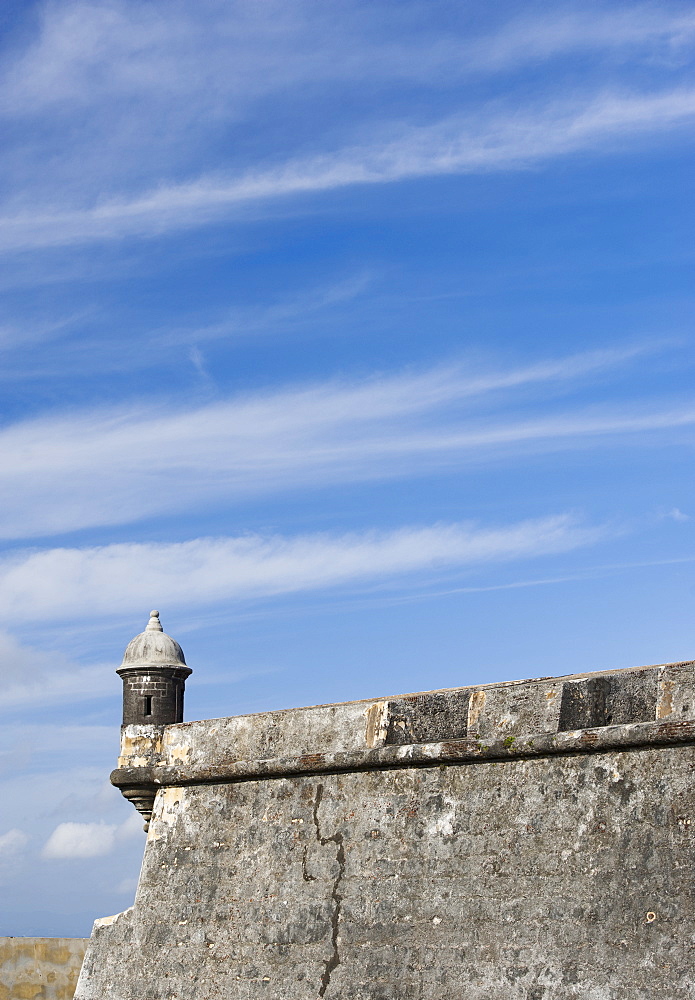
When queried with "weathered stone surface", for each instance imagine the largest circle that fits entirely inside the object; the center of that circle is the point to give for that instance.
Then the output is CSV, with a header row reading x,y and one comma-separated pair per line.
x,y
524,879
513,709
634,736
676,691
532,841
608,700
519,708
428,718
41,968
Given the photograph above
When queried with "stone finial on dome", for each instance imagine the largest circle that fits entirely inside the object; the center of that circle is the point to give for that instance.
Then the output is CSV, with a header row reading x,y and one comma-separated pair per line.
x,y
154,624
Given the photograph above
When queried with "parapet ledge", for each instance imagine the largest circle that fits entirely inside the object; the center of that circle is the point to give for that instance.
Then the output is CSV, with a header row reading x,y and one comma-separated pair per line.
x,y
650,705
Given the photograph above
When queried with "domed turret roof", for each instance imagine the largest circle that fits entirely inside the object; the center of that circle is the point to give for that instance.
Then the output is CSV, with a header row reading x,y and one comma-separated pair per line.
x,y
153,648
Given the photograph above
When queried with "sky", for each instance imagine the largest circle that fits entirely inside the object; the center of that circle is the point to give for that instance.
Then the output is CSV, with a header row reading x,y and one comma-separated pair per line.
x,y
354,337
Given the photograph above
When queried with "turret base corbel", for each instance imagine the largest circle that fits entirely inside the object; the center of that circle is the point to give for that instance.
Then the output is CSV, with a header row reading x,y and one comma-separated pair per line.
x,y
142,798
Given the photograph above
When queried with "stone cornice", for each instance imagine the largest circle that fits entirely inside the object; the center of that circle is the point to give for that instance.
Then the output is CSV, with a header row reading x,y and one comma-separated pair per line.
x,y
634,736
581,713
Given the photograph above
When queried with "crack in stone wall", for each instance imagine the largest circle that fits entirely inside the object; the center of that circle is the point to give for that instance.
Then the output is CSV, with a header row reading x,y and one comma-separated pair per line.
x,y
333,961
568,874
526,841
305,871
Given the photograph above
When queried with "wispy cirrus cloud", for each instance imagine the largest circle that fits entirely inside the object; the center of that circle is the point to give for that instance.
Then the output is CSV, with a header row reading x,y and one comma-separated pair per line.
x,y
105,467
485,142
246,322
69,584
83,52
68,345
658,31
39,677
149,103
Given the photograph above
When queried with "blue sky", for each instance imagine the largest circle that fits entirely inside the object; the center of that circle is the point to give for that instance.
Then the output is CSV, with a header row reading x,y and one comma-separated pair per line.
x,y
354,337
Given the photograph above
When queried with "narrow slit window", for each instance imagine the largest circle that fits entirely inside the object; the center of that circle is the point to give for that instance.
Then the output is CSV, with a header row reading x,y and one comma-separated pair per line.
x,y
148,704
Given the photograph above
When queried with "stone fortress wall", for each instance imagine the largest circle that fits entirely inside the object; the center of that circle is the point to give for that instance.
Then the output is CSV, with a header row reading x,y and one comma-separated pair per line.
x,y
40,968
520,841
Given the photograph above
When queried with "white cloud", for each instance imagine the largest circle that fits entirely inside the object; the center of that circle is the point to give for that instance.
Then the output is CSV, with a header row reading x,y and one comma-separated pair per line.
x,y
153,105
12,843
12,847
55,687
69,583
486,141
527,40
130,828
72,748
242,323
677,515
98,467
127,886
80,840
26,334
39,677
223,55
90,840
63,777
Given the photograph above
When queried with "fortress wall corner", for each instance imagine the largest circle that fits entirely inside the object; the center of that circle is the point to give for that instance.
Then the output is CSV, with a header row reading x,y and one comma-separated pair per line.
x,y
521,841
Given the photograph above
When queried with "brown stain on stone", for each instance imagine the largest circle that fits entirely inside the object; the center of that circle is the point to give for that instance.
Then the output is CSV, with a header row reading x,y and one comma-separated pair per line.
x,y
313,759
475,707
377,724
140,745
178,754
46,968
664,706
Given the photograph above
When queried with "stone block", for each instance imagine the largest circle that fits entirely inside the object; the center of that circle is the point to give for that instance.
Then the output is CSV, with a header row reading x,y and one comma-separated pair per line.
x,y
609,699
